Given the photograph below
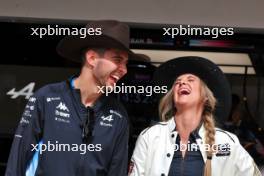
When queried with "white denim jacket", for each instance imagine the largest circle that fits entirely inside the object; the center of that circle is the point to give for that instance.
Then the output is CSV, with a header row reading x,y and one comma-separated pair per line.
x,y
155,148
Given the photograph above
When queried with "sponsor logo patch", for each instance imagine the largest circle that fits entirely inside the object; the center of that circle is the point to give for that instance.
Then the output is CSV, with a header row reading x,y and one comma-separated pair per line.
x,y
62,113
49,99
223,150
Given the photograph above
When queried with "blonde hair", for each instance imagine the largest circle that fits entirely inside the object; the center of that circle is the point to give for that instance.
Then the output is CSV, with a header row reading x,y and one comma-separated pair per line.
x,y
167,110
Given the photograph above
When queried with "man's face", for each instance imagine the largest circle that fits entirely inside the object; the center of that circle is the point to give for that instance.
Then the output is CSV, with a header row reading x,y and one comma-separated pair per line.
x,y
108,69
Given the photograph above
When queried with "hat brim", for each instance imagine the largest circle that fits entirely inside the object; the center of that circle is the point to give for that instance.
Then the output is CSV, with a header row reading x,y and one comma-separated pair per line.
x,y
71,47
206,70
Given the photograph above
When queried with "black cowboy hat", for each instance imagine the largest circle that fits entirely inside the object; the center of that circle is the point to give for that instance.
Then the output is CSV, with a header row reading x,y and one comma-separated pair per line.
x,y
206,70
114,34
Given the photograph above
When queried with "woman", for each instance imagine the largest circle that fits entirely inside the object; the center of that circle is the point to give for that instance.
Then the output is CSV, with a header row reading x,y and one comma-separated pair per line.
x,y
186,142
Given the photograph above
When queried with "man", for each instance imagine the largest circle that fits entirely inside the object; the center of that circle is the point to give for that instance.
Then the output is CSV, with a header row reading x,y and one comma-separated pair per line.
x,y
72,128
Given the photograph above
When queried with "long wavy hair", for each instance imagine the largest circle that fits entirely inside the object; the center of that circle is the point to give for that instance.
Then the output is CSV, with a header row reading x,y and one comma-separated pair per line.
x,y
167,110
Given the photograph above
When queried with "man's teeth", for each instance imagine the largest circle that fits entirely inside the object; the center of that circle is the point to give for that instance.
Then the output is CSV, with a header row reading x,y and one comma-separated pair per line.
x,y
115,77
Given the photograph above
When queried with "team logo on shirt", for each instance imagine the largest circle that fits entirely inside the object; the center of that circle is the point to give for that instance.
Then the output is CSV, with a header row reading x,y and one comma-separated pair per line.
x,y
32,99
24,120
62,113
27,113
30,107
106,120
49,99
62,107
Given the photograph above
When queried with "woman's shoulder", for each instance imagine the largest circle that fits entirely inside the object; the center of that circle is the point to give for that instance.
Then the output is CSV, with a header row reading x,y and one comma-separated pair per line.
x,y
155,128
224,135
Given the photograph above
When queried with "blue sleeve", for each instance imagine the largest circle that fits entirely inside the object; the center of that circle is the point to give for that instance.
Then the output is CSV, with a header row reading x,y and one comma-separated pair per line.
x,y
32,166
27,135
119,160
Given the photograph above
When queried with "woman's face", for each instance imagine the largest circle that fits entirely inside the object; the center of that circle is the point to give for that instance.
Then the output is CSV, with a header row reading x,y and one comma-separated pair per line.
x,y
187,91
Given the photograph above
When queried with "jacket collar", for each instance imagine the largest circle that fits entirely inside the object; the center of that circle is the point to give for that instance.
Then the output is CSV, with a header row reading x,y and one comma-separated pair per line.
x,y
171,124
77,95
198,132
199,135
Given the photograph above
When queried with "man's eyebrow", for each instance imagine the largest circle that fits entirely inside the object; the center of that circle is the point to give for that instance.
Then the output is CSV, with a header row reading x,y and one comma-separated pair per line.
x,y
120,57
117,56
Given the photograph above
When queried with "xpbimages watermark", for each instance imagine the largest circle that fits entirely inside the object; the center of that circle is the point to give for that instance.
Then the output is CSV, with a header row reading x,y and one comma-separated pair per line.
x,y
188,30
218,149
58,147
147,90
56,30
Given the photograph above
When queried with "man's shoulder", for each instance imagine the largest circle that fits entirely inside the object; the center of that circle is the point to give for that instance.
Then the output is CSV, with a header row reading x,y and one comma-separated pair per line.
x,y
50,90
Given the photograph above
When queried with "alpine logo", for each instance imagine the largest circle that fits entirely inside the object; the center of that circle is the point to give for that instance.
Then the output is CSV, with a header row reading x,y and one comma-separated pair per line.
x,y
27,91
106,120
62,107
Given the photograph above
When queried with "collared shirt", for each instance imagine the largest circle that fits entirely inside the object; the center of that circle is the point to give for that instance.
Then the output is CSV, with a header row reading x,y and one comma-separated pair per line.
x,y
54,114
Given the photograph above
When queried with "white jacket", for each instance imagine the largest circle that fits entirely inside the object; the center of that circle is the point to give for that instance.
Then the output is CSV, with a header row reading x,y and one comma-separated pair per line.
x,y
155,148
